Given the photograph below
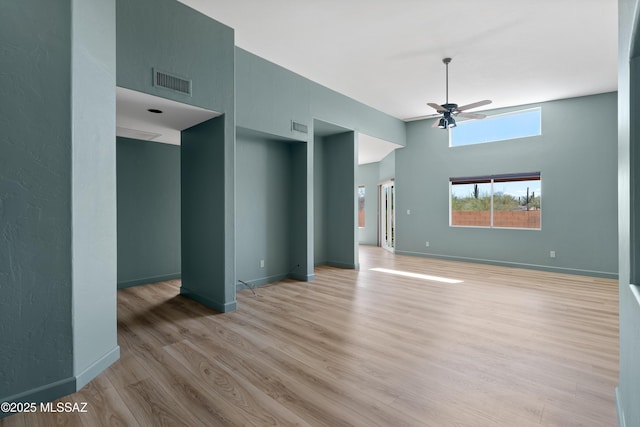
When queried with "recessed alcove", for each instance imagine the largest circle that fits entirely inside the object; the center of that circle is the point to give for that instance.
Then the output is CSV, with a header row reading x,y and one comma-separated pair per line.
x,y
271,195
148,175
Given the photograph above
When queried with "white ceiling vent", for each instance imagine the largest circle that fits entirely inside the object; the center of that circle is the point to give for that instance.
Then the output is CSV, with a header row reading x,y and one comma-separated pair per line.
x,y
171,82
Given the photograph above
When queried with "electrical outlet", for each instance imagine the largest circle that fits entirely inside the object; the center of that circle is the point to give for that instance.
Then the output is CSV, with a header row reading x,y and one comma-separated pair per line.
x,y
552,254
408,211
261,263
427,244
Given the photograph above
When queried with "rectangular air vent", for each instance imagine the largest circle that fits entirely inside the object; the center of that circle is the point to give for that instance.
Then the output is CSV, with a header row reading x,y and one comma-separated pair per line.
x,y
299,127
171,82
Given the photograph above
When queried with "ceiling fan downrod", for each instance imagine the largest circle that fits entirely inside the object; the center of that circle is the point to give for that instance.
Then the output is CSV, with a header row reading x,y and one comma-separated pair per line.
x,y
446,62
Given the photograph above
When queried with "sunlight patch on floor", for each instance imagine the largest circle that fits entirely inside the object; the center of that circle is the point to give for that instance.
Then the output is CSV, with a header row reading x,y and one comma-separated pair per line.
x,y
416,275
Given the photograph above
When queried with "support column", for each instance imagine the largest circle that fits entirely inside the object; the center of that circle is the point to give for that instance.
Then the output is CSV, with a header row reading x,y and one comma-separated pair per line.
x,y
57,196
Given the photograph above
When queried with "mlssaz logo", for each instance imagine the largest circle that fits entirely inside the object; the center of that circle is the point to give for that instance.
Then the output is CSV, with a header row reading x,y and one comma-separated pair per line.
x,y
80,407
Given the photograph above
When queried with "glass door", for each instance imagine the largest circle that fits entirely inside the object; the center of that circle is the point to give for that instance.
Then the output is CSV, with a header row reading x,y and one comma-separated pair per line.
x,y
386,236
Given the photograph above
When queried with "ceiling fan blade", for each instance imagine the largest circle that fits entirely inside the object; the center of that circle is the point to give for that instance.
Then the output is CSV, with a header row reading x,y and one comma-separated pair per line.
x,y
436,106
425,117
471,115
474,105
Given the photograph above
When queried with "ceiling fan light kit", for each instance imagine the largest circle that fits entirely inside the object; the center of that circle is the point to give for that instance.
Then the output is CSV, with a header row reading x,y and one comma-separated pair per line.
x,y
446,122
449,110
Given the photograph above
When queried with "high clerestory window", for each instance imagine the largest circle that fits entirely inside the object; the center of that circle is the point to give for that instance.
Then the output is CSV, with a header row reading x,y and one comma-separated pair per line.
x,y
518,124
496,201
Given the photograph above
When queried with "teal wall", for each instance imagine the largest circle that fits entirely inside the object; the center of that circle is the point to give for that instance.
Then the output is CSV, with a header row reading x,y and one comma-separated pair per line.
x,y
269,97
388,167
148,211
319,203
93,188
265,207
300,231
207,276
57,196
174,38
35,177
341,202
628,391
169,36
335,200
576,156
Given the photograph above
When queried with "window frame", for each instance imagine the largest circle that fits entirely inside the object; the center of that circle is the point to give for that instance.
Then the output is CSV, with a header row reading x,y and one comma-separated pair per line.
x,y
492,179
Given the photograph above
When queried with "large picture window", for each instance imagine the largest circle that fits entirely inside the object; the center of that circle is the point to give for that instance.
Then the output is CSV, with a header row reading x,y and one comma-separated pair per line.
x,y
499,201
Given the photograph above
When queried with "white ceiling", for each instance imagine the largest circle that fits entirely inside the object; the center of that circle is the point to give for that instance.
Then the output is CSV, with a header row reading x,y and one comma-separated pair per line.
x,y
388,54
372,149
133,120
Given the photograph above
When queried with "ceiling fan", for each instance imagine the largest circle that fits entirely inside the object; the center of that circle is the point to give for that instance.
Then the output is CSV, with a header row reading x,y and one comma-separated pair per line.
x,y
449,111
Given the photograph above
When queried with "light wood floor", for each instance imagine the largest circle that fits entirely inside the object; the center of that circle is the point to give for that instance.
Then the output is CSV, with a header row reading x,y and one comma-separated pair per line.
x,y
506,347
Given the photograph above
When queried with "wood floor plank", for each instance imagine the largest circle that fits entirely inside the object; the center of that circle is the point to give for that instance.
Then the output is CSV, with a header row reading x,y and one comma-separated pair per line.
x,y
258,407
152,404
503,347
104,405
289,392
